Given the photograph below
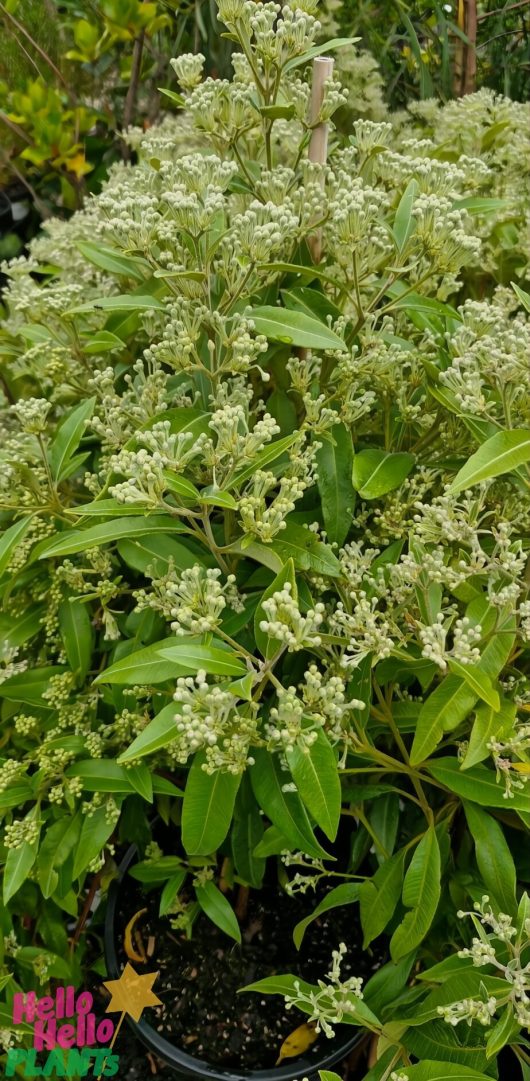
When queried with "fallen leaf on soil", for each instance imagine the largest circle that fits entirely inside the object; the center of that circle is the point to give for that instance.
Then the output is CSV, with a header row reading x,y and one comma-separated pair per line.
x,y
298,1041
128,945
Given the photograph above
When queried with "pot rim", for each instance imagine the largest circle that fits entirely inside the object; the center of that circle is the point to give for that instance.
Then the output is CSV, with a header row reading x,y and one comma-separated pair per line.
x,y
180,1060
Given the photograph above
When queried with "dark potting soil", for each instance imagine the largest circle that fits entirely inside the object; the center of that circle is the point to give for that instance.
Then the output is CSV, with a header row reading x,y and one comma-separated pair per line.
x,y
199,978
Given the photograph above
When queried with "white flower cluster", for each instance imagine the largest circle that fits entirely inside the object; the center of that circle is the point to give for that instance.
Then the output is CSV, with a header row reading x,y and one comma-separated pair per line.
x,y
287,625
209,720
337,998
501,945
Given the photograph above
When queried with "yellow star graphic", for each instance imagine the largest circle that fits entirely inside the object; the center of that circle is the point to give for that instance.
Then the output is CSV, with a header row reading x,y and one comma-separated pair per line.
x,y
132,993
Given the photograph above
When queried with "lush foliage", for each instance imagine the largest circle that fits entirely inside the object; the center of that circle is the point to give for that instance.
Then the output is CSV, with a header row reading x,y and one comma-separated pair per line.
x,y
265,515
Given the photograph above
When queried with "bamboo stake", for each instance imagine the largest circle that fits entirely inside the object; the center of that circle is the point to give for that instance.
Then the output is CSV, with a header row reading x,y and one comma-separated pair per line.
x,y
318,147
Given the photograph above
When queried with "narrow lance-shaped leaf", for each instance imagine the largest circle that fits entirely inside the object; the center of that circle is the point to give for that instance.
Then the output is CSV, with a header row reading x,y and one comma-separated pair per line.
x,y
208,807
421,893
503,453
294,328
334,467
494,859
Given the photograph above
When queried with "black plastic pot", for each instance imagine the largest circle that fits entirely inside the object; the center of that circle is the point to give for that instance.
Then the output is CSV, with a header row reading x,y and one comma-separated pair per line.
x,y
184,1065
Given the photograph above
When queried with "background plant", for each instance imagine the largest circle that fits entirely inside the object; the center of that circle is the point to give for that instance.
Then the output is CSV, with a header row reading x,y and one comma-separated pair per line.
x,y
265,520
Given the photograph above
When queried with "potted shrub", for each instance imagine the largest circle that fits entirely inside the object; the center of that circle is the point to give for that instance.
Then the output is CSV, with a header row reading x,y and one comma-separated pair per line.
x,y
263,568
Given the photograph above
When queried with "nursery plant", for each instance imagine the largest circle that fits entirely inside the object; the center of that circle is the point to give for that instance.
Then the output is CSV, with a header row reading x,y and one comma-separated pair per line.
x,y
264,556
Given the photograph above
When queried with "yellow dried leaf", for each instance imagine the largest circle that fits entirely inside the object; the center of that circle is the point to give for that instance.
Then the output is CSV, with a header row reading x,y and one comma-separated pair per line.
x,y
298,1041
128,946
521,767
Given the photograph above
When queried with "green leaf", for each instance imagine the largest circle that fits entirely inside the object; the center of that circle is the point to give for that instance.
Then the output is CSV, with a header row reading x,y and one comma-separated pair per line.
x,y
268,646
523,296
16,630
345,894
317,50
156,552
488,725
477,784
380,895
294,328
284,808
95,832
448,704
494,859
101,775
506,1031
215,905
128,302
77,634
478,681
501,453
440,1041
115,262
171,658
78,540
61,837
208,807
68,437
215,497
316,776
157,734
269,454
404,223
30,686
19,862
376,472
307,552
101,342
170,891
443,1071
247,832
334,468
141,781
421,893
10,540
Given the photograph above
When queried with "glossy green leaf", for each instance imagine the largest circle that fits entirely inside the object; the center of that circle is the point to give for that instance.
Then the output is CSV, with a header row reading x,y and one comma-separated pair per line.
x,y
95,832
19,861
448,704
488,724
31,685
171,658
283,807
307,552
443,1071
345,894
77,633
380,895
421,894
477,784
10,540
128,302
334,469
376,472
218,909
478,681
156,552
208,807
269,454
78,540
157,734
294,328
114,261
170,891
404,222
316,776
501,453
494,859
68,437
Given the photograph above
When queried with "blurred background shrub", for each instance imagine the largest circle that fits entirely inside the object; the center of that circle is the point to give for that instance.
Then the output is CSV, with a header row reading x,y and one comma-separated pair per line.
x,y
75,73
